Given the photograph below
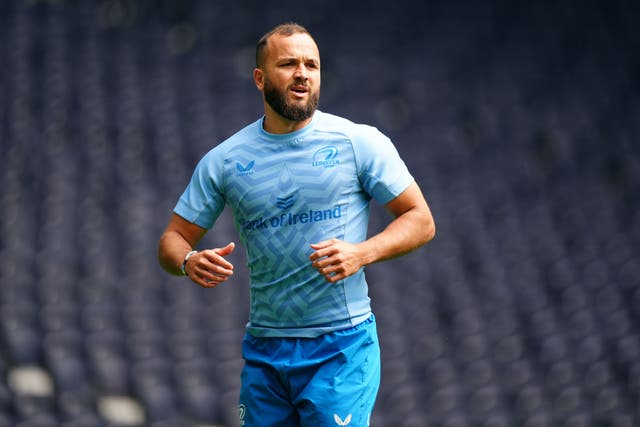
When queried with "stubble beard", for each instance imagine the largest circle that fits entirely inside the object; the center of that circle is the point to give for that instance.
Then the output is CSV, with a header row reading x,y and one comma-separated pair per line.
x,y
277,100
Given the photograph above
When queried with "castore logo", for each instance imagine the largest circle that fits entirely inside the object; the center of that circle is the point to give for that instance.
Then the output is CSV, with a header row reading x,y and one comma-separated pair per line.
x,y
339,421
245,170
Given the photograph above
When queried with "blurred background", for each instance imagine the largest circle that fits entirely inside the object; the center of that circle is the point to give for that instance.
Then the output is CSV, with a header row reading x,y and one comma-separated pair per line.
x,y
520,120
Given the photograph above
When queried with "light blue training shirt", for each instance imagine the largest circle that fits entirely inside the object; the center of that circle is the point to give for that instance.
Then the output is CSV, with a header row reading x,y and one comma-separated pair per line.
x,y
288,191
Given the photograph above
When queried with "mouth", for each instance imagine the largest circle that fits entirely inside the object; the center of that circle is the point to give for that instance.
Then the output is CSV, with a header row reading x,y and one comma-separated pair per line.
x,y
299,90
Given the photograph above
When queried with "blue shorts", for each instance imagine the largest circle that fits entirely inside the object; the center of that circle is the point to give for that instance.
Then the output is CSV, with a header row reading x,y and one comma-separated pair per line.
x,y
331,380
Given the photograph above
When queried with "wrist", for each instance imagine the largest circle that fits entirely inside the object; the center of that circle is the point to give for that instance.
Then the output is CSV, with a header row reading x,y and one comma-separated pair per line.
x,y
371,251
184,262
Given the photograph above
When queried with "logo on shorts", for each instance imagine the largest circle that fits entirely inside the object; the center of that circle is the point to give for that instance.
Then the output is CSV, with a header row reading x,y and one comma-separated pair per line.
x,y
242,410
339,421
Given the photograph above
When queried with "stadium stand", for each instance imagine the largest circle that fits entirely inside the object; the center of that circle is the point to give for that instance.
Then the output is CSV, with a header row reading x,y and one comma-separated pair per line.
x,y
519,119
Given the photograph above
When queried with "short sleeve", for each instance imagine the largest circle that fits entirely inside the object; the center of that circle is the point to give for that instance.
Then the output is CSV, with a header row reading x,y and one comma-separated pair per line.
x,y
202,201
381,171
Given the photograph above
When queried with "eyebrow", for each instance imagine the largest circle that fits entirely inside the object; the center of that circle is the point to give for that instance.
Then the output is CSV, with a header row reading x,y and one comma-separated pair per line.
x,y
296,59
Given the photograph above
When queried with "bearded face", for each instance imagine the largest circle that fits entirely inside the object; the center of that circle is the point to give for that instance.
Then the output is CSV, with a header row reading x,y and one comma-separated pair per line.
x,y
296,111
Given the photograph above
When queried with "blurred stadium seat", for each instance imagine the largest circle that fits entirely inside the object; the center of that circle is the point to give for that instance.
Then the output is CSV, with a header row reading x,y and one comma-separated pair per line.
x,y
519,119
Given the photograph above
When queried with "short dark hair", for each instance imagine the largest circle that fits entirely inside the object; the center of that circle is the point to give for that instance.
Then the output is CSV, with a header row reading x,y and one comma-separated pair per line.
x,y
287,29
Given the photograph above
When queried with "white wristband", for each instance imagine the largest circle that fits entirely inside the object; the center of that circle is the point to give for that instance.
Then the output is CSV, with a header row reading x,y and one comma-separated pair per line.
x,y
184,263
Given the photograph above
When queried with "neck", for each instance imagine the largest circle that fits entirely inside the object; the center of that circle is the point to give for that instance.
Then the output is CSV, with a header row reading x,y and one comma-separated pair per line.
x,y
275,123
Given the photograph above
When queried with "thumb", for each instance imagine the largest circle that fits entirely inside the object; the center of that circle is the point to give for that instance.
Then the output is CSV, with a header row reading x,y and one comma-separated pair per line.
x,y
226,250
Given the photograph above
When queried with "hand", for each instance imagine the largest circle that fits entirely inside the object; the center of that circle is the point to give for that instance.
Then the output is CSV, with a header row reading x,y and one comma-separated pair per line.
x,y
335,259
208,268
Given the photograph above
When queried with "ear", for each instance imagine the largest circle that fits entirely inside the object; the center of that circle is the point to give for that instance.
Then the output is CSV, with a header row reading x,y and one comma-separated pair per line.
x,y
258,78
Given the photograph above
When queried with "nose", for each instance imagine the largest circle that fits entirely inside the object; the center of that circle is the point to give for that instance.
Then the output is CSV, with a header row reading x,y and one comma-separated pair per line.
x,y
301,72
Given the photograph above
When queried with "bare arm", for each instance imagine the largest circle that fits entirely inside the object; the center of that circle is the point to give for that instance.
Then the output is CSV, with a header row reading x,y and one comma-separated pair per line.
x,y
412,227
207,268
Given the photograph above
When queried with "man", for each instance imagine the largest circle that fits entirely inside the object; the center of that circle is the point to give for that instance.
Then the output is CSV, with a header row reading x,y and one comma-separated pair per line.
x,y
299,182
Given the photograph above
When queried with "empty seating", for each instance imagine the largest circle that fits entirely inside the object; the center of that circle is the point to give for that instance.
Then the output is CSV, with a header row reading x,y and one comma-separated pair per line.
x,y
519,121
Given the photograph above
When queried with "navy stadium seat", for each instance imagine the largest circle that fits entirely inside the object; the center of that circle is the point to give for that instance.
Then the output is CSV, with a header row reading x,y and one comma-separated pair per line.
x,y
519,121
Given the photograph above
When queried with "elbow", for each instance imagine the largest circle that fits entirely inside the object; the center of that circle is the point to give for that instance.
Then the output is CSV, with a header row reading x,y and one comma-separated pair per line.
x,y
431,232
429,229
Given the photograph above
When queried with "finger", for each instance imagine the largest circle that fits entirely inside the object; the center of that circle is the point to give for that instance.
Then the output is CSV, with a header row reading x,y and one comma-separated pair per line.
x,y
226,250
206,284
209,280
205,268
323,244
331,269
334,276
200,281
323,262
216,273
216,259
323,253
